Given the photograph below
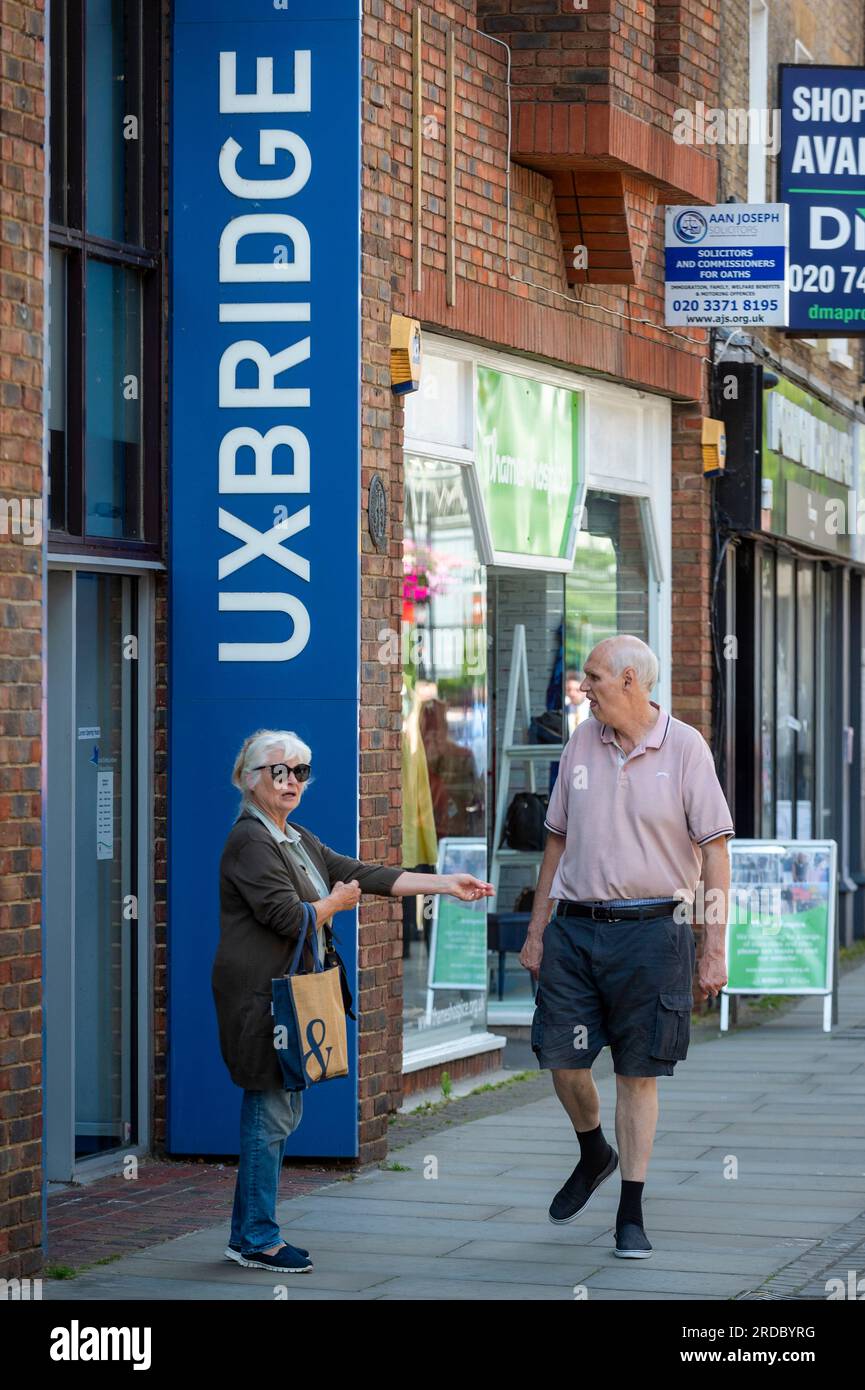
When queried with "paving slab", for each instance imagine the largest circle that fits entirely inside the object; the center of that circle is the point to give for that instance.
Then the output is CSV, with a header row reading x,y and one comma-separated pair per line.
x,y
663,1281
785,1099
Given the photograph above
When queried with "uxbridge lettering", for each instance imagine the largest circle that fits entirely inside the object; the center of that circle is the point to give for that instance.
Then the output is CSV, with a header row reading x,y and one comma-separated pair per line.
x,y
277,378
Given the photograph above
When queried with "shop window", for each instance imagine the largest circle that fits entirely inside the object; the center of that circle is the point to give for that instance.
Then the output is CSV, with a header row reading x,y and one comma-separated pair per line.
x,y
607,591
829,822
793,723
785,695
805,702
444,650
104,281
767,696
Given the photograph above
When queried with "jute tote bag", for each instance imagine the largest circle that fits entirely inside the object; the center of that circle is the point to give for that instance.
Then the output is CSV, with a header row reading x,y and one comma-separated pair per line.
x,y
309,1031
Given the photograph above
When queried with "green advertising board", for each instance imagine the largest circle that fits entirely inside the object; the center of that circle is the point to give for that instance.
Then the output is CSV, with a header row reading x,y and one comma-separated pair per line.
x,y
458,952
781,917
529,467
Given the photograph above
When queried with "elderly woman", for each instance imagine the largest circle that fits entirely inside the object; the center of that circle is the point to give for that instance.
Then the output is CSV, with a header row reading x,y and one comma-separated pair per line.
x,y
268,870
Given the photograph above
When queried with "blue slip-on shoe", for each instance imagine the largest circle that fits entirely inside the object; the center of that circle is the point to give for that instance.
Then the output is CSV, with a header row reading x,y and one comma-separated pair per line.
x,y
577,1192
632,1243
288,1260
232,1252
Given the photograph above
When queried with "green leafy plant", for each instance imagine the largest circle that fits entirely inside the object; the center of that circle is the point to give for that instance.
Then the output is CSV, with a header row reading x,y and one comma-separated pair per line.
x,y
447,1085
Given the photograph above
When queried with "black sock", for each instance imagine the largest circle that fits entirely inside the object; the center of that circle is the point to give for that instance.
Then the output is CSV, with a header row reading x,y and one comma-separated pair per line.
x,y
630,1204
594,1150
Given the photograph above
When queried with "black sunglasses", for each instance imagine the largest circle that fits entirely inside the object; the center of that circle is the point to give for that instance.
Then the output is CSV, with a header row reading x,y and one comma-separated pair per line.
x,y
280,771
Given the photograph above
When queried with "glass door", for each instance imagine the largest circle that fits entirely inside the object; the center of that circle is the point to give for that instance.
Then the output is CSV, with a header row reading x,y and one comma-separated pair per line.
x,y
103,811
92,898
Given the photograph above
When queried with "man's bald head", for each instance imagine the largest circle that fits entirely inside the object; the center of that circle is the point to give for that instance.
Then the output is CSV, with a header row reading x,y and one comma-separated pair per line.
x,y
620,652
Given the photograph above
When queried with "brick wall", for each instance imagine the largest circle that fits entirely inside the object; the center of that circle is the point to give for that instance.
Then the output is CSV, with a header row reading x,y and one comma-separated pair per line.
x,y
641,57
22,298
522,300
380,942
692,672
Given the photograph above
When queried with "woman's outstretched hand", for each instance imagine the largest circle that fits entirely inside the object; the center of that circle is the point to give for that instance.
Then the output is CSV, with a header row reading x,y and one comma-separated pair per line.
x,y
468,888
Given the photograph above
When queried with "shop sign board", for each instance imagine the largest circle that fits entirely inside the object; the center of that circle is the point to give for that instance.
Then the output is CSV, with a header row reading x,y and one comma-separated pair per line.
x,y
264,477
529,470
821,176
781,917
726,264
809,461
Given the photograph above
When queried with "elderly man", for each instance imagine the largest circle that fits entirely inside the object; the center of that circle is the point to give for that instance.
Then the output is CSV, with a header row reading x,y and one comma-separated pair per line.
x,y
637,817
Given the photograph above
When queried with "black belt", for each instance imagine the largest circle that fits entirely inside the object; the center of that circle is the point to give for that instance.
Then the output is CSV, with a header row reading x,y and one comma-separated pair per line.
x,y
598,912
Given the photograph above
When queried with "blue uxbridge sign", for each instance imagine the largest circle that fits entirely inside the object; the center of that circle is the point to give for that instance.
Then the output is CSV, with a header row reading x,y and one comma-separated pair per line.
x,y
264,481
822,178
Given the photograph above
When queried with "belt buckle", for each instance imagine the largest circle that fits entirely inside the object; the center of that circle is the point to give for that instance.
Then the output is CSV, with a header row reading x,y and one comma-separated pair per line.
x,y
612,915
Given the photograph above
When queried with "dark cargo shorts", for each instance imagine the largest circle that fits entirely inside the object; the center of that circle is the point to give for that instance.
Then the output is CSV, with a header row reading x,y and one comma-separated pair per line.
x,y
625,985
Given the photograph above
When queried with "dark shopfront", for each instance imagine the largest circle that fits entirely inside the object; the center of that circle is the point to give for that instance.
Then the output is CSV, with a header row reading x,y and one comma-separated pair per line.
x,y
788,624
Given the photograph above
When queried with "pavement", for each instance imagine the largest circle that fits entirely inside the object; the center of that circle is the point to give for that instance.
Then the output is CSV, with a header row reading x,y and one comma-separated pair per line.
x,y
756,1191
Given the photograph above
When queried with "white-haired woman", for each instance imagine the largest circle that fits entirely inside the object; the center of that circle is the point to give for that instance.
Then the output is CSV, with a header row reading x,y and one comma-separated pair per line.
x,y
269,869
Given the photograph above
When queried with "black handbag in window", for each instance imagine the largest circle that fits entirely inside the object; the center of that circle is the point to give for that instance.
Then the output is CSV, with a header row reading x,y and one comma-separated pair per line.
x,y
524,823
525,900
547,727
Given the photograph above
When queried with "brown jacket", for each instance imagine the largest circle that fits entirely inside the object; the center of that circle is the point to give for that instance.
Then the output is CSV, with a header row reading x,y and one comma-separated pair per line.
x,y
261,891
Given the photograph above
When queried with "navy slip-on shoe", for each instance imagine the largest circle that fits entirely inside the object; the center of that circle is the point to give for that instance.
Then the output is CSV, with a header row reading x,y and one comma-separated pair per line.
x,y
288,1260
577,1192
232,1252
632,1243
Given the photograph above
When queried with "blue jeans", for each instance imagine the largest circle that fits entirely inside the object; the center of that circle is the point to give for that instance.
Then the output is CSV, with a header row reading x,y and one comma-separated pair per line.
x,y
266,1120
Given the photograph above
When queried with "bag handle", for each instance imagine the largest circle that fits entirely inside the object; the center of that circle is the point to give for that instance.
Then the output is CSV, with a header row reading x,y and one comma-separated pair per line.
x,y
310,921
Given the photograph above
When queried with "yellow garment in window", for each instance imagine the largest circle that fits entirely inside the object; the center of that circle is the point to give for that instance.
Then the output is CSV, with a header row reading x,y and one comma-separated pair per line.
x,y
419,839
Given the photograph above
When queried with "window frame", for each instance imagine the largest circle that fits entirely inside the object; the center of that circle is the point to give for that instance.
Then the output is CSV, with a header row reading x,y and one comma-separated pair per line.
x,y
79,247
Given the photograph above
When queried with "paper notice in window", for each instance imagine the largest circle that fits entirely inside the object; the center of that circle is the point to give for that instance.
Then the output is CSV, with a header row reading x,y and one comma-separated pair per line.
x,y
104,814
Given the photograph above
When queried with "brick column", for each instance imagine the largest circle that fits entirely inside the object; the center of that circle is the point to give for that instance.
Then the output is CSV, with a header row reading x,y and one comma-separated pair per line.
x,y
22,295
691,565
380,951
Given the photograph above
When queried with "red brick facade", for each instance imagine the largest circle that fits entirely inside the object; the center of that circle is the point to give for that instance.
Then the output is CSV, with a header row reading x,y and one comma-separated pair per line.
x,y
599,68
22,304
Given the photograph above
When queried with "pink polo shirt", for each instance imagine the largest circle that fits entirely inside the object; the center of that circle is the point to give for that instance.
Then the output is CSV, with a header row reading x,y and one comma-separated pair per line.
x,y
633,822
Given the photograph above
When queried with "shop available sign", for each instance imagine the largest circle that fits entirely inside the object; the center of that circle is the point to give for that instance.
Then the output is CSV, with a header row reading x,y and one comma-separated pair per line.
x,y
726,265
264,477
529,469
822,178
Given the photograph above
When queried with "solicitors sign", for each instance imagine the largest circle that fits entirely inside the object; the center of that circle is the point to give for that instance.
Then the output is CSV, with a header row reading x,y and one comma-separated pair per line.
x,y
264,477
726,264
822,178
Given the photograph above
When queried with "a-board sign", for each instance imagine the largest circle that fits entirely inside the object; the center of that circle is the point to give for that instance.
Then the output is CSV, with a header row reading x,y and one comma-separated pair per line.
x,y
781,916
458,951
